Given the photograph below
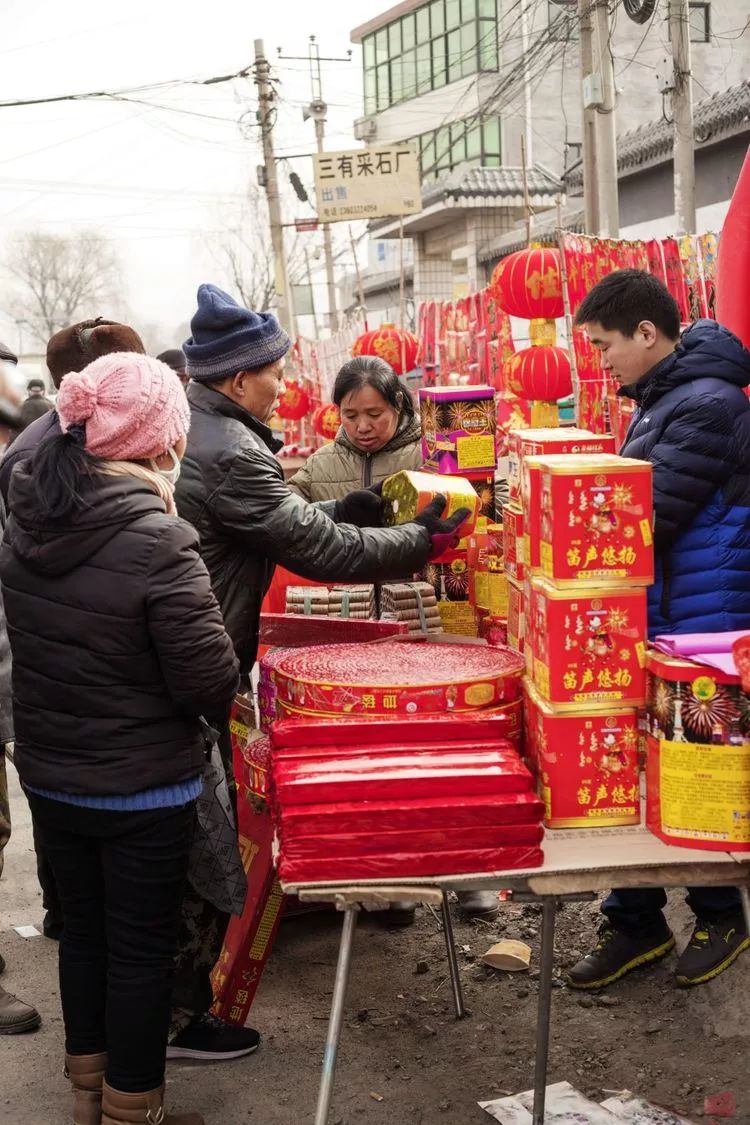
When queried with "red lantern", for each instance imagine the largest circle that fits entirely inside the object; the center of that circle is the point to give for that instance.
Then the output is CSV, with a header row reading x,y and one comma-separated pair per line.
x,y
541,374
326,420
293,404
528,284
397,347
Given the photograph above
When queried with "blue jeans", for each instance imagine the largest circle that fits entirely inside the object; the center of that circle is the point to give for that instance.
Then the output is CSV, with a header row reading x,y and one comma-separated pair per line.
x,y
638,913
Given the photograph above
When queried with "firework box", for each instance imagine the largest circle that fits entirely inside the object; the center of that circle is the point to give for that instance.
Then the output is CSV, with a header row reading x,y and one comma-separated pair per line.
x,y
399,678
458,428
497,579
513,541
484,486
538,443
597,516
691,702
459,619
479,576
698,794
249,938
494,630
471,726
516,615
588,645
408,865
408,493
587,763
449,576
433,839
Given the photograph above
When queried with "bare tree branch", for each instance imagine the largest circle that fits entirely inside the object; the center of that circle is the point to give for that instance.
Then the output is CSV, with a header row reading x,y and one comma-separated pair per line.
x,y
61,280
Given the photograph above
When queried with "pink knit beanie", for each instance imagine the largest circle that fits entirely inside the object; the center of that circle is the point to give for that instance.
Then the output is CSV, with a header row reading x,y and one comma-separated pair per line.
x,y
133,406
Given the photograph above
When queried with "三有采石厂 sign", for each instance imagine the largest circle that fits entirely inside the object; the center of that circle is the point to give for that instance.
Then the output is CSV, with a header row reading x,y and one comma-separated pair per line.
x,y
367,183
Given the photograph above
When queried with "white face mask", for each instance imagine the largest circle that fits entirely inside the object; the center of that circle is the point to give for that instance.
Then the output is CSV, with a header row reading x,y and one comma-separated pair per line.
x,y
170,475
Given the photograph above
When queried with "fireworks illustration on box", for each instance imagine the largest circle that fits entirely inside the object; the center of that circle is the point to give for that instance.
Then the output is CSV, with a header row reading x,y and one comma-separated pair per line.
x,y
473,417
744,704
432,574
456,580
704,717
661,703
486,494
429,416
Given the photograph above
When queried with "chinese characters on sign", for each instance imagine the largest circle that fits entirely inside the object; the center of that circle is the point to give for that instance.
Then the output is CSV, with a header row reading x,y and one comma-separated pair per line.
x,y
368,183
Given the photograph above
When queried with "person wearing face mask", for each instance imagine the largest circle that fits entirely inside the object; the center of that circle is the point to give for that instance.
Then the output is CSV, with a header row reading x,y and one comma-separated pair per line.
x,y
118,650
379,436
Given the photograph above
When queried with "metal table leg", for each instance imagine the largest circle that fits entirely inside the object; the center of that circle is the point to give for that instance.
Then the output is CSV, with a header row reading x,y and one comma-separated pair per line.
x,y
325,1092
745,896
450,947
549,911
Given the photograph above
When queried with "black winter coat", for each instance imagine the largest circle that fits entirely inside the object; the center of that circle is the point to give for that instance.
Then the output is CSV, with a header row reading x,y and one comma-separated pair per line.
x,y
118,643
232,490
24,446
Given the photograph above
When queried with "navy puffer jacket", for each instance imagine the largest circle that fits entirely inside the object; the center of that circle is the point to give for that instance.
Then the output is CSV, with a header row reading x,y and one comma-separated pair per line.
x,y
693,425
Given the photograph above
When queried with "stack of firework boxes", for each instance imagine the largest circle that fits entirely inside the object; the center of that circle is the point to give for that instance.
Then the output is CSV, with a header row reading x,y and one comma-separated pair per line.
x,y
459,439
579,556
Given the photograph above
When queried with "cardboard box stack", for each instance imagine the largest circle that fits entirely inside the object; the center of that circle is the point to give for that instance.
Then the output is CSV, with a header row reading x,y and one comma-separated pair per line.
x,y
579,563
459,439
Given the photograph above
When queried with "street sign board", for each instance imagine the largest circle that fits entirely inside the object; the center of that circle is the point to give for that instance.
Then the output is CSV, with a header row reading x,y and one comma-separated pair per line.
x,y
367,183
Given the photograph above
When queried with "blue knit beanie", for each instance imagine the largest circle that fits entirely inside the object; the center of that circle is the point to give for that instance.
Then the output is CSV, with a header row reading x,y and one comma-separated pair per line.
x,y
228,338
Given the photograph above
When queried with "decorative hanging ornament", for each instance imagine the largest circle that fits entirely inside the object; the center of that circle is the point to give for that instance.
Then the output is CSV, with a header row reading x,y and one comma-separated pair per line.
x,y
293,404
541,374
326,420
528,284
396,346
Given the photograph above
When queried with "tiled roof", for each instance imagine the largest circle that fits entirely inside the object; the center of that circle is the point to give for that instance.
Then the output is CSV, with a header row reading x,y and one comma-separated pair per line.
x,y
723,113
491,182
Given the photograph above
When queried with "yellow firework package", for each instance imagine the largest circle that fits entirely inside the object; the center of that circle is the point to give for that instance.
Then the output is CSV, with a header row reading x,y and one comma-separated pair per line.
x,y
407,494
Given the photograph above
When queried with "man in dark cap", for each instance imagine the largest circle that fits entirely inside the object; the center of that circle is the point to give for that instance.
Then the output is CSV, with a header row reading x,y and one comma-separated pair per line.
x,y
70,349
35,405
175,358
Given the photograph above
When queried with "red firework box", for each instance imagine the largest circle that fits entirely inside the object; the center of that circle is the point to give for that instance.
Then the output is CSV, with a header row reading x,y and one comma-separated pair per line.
x,y
250,936
538,443
597,518
484,486
458,429
588,645
497,579
513,541
397,678
516,615
587,763
690,702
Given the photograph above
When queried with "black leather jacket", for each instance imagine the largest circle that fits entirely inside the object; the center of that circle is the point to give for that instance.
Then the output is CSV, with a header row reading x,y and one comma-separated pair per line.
x,y
232,490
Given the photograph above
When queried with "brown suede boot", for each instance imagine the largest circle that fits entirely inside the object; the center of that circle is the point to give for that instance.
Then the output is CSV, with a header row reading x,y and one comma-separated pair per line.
x,y
141,1109
86,1074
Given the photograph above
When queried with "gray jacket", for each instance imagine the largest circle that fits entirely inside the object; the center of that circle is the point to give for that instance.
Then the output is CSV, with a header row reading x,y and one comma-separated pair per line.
x,y
232,491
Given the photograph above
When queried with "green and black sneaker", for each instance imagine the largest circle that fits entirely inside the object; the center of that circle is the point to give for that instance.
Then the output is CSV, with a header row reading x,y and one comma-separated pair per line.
x,y
712,949
616,954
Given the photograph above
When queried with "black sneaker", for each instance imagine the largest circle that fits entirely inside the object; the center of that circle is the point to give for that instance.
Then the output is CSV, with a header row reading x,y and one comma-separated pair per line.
x,y
712,949
617,954
211,1039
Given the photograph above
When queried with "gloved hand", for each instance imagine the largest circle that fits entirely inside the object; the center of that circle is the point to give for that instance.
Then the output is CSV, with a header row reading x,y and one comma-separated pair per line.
x,y
363,508
443,533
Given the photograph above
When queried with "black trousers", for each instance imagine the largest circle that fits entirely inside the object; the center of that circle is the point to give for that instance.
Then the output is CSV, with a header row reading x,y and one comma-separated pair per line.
x,y
120,877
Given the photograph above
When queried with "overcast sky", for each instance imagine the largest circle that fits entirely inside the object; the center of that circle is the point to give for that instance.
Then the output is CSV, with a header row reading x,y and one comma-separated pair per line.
x,y
160,184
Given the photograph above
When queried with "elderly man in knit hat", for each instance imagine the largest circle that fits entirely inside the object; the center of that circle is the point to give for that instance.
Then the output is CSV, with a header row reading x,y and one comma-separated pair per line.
x,y
175,358
232,490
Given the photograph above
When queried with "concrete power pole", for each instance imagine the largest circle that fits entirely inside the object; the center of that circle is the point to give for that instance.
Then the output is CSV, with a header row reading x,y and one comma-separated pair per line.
x,y
606,136
588,133
318,111
682,118
270,182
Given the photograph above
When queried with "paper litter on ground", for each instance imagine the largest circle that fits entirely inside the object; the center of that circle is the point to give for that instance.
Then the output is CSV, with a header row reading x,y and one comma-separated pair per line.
x,y
27,931
567,1106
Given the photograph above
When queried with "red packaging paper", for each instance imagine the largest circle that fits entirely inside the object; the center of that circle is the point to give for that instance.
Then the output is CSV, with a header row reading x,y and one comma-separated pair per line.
x,y
425,775
412,815
381,752
429,840
478,724
408,866
295,630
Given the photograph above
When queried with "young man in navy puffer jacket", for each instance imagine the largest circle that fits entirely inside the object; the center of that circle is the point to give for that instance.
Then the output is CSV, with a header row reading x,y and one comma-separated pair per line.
x,y
693,424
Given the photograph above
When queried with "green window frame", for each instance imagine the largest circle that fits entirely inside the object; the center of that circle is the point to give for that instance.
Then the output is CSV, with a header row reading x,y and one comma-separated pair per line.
x,y
474,141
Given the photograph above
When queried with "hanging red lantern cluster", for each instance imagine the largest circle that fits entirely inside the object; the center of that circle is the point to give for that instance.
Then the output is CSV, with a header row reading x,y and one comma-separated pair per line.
x,y
326,420
294,404
528,284
396,346
541,374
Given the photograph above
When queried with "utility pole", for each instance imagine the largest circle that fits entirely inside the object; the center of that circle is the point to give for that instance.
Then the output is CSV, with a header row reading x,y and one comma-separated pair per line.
x,y
588,133
682,118
606,137
269,180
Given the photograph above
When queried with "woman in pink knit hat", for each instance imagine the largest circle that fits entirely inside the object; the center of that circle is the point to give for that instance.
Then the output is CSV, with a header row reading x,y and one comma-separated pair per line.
x,y
118,649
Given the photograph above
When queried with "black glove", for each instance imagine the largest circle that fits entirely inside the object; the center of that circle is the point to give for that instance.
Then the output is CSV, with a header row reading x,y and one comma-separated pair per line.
x,y
443,533
363,508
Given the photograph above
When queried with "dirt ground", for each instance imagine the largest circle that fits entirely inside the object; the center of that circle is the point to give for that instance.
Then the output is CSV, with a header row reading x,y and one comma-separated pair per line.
x,y
404,1058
